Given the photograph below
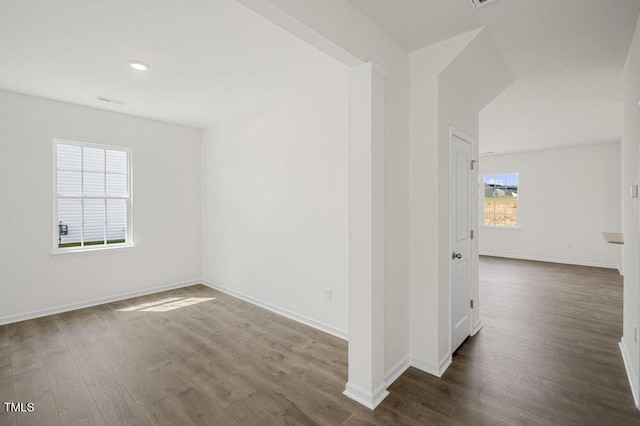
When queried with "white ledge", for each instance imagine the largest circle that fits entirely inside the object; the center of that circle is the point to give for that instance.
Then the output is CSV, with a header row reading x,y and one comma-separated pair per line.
x,y
90,249
514,228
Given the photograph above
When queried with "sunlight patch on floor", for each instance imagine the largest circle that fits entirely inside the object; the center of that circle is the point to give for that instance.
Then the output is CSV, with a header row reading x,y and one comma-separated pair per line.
x,y
168,304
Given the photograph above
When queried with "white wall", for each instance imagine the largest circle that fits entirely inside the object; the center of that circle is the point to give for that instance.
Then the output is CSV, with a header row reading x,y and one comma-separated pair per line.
x,y
458,110
396,221
426,66
166,207
440,99
342,32
275,201
567,197
631,223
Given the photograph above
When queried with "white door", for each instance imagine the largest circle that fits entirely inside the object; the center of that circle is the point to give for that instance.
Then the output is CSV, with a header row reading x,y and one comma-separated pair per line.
x,y
460,187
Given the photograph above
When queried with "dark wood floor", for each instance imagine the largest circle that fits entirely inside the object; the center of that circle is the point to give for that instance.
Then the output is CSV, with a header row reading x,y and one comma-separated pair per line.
x,y
547,354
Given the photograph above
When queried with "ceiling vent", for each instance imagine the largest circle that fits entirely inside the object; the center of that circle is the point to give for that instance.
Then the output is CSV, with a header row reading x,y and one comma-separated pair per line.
x,y
479,3
112,101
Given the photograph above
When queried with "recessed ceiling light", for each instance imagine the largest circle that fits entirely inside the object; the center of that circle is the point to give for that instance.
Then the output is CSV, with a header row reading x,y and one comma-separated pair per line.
x,y
138,65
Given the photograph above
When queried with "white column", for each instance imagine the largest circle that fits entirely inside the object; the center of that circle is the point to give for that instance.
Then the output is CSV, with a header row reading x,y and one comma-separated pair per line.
x,y
366,230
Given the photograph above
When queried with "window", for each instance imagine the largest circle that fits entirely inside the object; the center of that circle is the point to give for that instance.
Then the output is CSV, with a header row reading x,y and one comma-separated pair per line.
x,y
501,201
92,196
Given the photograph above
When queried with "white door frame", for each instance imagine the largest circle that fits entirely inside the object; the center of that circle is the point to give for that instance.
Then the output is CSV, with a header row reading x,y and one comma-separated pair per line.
x,y
453,132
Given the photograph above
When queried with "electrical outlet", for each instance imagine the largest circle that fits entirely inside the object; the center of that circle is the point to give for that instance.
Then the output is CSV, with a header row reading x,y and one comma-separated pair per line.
x,y
328,295
570,245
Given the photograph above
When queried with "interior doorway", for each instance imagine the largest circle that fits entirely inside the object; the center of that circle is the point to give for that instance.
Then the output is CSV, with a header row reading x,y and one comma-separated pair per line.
x,y
460,237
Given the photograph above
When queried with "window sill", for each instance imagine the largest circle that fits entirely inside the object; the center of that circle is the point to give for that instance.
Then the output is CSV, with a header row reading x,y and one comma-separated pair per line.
x,y
514,228
81,251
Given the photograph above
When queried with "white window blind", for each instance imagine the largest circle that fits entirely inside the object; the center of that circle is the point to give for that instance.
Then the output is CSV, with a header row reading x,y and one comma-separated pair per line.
x,y
93,195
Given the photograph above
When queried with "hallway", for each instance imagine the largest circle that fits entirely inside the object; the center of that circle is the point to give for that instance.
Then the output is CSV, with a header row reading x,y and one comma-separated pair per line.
x,y
547,354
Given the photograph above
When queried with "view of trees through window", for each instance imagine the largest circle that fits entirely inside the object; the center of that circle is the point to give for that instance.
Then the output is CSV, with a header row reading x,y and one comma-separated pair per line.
x,y
500,200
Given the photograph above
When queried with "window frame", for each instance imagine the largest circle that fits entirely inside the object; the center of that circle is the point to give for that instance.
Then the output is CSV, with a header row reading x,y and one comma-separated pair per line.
x,y
482,202
128,200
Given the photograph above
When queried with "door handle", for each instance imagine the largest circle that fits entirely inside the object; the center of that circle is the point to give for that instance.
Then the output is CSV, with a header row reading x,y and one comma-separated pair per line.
x,y
455,255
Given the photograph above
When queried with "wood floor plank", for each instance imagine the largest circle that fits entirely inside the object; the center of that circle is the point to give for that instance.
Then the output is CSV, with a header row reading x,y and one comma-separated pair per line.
x,y
66,381
6,366
319,406
228,392
111,397
6,395
201,408
32,386
128,368
398,410
161,409
51,344
85,413
25,355
45,413
85,352
260,405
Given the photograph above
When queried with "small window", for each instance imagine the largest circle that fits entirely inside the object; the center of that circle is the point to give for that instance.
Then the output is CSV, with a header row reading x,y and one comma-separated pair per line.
x,y
92,196
501,200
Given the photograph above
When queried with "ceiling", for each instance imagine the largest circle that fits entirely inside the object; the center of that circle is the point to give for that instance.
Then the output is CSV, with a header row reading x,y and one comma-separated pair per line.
x,y
552,111
214,59
533,35
210,60
566,57
415,24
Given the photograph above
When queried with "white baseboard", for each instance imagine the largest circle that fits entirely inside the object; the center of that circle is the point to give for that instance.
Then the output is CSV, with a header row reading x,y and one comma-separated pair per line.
x,y
93,302
334,331
369,399
428,367
552,260
633,379
396,371
425,366
7,319
477,326
445,362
